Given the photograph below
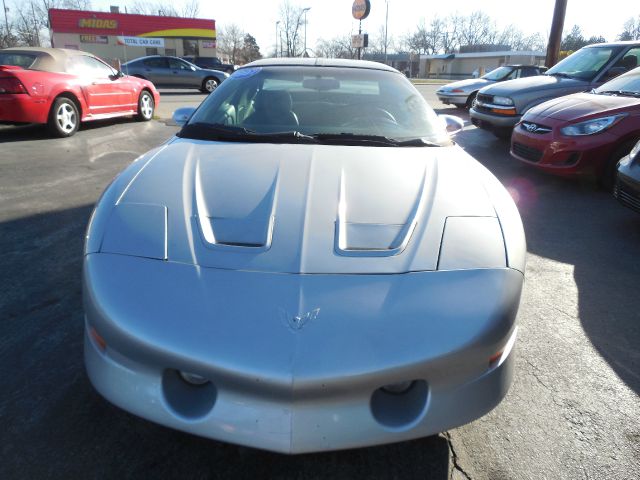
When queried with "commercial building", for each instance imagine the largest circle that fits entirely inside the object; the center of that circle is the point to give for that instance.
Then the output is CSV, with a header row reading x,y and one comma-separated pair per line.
x,y
120,36
464,65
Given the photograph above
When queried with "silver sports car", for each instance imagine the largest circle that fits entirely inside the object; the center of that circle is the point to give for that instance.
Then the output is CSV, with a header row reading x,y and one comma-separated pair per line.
x,y
310,264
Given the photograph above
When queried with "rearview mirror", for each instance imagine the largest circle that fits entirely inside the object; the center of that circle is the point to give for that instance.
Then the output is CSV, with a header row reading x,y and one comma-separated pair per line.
x,y
182,115
452,123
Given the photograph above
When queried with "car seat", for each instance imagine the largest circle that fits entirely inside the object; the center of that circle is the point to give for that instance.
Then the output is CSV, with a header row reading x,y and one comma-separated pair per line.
x,y
272,107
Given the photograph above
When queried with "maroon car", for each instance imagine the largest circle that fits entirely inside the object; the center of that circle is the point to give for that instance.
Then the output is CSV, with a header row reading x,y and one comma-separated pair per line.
x,y
584,133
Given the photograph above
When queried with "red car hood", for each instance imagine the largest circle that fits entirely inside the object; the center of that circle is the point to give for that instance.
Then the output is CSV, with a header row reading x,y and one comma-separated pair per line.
x,y
578,105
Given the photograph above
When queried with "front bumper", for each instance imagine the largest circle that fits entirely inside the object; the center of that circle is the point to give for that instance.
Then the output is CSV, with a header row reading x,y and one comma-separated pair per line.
x,y
490,121
453,98
561,155
285,381
627,187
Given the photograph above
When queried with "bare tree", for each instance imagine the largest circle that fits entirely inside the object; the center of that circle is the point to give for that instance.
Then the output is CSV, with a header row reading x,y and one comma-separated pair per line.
x,y
291,21
337,47
230,41
631,29
187,9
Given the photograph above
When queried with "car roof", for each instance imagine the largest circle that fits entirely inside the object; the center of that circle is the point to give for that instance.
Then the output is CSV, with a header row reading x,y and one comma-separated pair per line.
x,y
615,44
49,59
319,62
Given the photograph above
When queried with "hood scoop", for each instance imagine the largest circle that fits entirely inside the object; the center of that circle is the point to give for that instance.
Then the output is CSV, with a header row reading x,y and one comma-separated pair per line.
x,y
354,238
234,212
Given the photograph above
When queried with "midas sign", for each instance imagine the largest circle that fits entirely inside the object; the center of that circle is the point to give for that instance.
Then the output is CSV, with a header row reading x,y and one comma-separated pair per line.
x,y
98,23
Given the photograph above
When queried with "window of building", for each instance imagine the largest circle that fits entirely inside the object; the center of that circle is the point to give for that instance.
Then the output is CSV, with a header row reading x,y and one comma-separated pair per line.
x,y
152,51
170,51
190,47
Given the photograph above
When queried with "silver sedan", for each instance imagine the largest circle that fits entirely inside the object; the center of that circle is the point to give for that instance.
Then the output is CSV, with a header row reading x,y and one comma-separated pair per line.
x,y
310,264
173,72
462,94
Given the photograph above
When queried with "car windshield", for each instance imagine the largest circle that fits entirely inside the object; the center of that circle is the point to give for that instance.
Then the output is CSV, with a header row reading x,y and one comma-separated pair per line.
x,y
24,60
584,64
498,74
627,84
334,105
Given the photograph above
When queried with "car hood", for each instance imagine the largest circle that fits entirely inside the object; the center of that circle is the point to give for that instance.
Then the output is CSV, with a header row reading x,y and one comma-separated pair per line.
x,y
467,85
305,208
573,107
541,83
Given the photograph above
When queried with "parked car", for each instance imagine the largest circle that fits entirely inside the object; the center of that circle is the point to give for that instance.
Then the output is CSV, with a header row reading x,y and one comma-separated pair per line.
x,y
583,133
463,93
211,63
62,88
173,72
500,107
304,276
627,187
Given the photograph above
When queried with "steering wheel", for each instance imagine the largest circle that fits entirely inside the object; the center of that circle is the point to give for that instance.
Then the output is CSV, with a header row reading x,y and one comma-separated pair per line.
x,y
370,115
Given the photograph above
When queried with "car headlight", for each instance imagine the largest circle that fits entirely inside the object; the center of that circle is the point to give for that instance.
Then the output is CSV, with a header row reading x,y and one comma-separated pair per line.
x,y
591,127
503,101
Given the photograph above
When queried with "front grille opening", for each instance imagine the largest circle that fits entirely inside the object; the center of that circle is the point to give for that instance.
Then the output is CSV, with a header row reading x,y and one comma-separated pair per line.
x,y
528,153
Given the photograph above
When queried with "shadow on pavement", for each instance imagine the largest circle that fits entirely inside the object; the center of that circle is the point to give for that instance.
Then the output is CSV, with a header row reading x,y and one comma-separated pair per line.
x,y
51,413
39,132
572,222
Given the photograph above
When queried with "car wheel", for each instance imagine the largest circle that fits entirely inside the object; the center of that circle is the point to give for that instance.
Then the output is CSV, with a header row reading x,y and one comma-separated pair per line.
x,y
209,85
64,118
146,107
471,101
607,177
502,133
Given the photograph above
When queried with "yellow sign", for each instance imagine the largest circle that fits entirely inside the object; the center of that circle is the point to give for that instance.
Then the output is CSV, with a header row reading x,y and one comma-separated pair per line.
x,y
98,23
360,9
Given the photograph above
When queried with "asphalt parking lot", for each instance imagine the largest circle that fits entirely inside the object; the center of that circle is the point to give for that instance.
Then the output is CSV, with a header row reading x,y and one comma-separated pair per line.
x,y
573,411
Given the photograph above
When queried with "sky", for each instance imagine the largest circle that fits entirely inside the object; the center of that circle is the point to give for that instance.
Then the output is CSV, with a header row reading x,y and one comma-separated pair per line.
x,y
330,18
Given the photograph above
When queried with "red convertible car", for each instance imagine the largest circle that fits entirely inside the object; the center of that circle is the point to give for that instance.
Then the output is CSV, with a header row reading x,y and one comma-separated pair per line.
x,y
62,88
583,133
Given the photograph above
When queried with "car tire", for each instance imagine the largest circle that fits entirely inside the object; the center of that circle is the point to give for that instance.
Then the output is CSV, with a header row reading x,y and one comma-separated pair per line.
x,y
502,133
209,85
607,177
471,101
64,117
146,106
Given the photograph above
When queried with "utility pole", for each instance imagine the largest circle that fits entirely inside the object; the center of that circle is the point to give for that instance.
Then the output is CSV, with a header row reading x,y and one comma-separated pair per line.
x,y
555,37
277,23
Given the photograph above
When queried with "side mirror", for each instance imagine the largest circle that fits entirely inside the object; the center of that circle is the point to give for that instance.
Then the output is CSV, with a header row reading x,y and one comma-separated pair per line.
x,y
452,123
182,115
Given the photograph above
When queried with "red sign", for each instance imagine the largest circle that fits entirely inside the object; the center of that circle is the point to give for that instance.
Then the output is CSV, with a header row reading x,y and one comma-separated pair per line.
x,y
105,23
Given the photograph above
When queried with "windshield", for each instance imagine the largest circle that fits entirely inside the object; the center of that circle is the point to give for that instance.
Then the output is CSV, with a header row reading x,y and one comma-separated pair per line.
x,y
498,74
584,64
23,60
323,103
627,83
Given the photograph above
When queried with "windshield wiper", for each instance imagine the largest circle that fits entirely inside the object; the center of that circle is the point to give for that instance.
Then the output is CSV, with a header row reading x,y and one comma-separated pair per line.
x,y
621,93
216,131
354,138
560,74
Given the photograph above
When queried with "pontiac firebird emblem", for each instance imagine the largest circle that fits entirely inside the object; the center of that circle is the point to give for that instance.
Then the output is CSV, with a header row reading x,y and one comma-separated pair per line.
x,y
296,322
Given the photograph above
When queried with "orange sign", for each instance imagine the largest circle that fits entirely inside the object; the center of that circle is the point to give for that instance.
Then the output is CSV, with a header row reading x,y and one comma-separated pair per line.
x,y
360,9
98,23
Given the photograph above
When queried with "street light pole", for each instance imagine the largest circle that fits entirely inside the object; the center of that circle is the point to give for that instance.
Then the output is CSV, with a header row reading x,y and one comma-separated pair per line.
x,y
6,22
277,23
386,28
305,10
